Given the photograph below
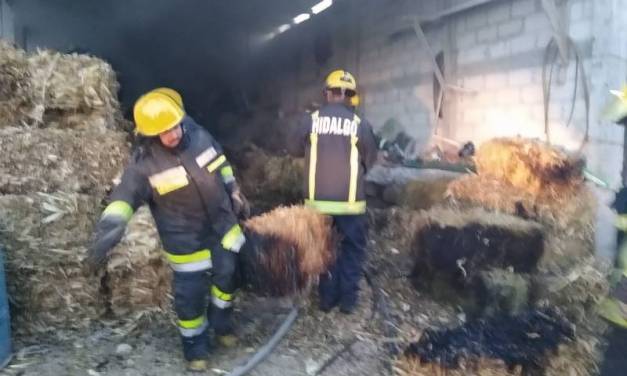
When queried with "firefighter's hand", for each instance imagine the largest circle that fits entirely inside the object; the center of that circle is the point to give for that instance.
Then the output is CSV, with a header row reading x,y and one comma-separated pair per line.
x,y
109,232
241,207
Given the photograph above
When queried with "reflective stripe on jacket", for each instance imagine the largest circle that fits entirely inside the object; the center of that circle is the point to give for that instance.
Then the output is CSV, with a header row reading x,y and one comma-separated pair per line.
x,y
339,149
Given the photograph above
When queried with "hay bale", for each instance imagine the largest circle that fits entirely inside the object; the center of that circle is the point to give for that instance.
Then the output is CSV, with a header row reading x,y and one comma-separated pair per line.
x,y
73,83
509,344
530,165
567,221
457,245
50,160
15,85
268,180
417,194
287,249
45,236
139,277
575,290
392,226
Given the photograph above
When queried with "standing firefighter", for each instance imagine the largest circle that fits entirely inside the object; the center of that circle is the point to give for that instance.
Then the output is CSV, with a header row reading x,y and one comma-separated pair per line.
x,y
180,171
339,148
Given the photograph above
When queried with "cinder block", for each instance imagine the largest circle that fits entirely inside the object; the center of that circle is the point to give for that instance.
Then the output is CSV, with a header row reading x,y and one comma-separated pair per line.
x,y
472,55
576,10
507,96
581,30
487,33
537,21
543,38
467,40
500,12
520,77
475,20
531,94
475,82
499,49
523,7
524,43
496,80
510,28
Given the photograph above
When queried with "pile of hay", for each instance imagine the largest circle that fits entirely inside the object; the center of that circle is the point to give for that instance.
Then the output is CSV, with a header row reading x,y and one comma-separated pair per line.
x,y
15,85
50,160
269,180
287,249
138,276
505,345
53,179
530,165
45,237
73,83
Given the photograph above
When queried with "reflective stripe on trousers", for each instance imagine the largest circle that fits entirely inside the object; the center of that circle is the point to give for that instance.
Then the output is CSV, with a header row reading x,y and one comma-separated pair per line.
x,y
193,262
194,327
220,298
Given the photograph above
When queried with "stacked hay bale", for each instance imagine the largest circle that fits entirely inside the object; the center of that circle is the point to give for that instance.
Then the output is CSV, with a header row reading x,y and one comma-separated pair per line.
x,y
520,234
69,89
544,184
287,249
138,276
52,182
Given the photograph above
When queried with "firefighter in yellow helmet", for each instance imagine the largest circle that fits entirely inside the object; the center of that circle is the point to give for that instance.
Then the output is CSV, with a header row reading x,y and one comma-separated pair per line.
x,y
339,149
181,173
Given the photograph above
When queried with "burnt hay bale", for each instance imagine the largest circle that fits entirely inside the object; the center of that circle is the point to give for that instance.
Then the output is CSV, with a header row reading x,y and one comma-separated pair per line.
x,y
523,342
457,245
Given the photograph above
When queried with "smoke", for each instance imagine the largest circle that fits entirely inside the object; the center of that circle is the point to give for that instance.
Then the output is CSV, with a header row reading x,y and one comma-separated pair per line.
x,y
203,48
193,46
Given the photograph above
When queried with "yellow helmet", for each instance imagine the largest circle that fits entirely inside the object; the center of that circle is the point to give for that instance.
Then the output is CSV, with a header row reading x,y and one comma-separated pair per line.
x,y
341,79
156,113
170,93
616,110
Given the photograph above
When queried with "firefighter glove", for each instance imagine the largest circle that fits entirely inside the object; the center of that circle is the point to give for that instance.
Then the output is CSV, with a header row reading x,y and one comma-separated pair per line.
x,y
109,232
241,207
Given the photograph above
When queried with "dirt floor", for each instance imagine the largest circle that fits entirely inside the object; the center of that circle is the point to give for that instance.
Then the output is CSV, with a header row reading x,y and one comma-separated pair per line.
x,y
318,344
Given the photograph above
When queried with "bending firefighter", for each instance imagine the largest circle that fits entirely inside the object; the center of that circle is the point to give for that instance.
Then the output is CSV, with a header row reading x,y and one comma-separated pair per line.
x,y
182,174
339,149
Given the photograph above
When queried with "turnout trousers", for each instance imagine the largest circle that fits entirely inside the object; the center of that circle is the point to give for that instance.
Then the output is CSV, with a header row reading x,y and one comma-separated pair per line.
x,y
340,285
198,276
